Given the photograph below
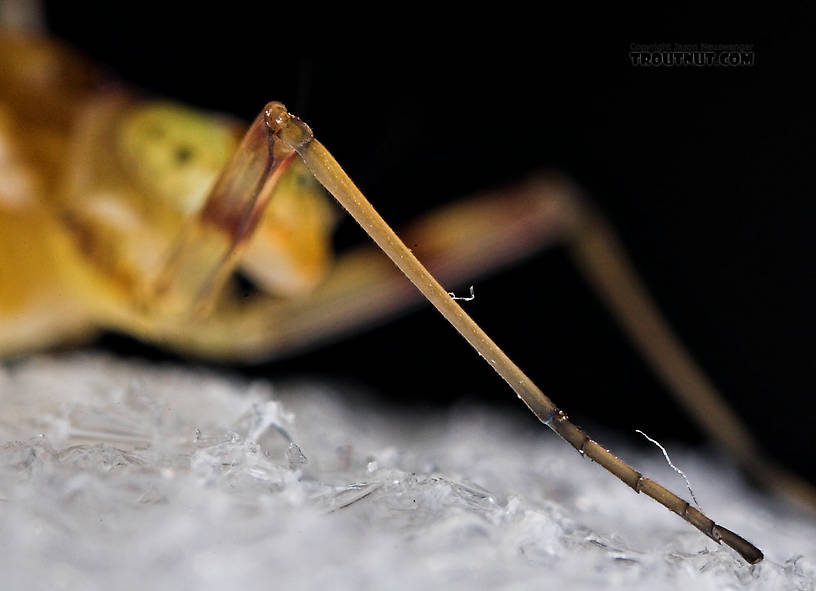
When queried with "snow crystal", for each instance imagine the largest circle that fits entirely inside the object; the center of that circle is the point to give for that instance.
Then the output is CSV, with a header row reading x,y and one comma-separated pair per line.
x,y
123,475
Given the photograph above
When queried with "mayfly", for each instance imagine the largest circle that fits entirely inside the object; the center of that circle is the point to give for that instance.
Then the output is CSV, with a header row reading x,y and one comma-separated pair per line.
x,y
114,216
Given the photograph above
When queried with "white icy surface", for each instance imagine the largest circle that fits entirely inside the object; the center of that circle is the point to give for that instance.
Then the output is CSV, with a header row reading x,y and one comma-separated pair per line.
x,y
122,475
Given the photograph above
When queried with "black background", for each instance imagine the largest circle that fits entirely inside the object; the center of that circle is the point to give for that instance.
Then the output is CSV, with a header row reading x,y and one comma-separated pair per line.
x,y
705,172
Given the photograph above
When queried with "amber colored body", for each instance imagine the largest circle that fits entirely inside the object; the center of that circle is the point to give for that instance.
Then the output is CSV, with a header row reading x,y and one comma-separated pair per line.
x,y
97,186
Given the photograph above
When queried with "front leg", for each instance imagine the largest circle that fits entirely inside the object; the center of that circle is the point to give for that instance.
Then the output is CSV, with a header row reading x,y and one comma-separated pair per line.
x,y
211,243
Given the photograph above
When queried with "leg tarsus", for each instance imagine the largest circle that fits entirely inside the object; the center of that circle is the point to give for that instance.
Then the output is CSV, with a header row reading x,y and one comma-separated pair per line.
x,y
599,254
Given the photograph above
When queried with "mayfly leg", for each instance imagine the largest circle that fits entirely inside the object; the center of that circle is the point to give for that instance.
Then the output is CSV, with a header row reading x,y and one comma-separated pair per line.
x,y
297,135
363,286
599,255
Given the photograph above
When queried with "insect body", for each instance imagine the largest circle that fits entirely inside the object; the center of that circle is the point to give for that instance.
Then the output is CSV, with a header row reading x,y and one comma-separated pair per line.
x,y
96,186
